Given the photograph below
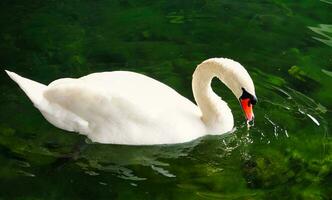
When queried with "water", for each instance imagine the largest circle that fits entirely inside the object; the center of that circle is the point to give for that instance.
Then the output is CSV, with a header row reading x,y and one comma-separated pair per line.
x,y
285,46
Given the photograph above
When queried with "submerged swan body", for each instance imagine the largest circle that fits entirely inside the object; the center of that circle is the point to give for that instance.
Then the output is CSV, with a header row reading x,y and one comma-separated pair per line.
x,y
129,108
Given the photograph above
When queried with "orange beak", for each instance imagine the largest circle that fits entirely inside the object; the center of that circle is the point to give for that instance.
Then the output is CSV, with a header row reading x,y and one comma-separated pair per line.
x,y
247,109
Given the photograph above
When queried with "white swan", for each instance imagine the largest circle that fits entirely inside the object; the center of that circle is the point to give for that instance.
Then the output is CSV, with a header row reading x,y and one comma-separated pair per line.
x,y
129,108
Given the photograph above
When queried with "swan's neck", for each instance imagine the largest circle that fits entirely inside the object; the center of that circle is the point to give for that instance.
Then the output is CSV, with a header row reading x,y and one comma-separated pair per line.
x,y
216,115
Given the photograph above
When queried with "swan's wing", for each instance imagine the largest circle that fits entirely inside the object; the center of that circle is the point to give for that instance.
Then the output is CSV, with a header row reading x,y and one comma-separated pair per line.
x,y
87,106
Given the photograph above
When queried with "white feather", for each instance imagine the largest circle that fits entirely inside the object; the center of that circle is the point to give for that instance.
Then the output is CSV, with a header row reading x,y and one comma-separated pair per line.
x,y
129,108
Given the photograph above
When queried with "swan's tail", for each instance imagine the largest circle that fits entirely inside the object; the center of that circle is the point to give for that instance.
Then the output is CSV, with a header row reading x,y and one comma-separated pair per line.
x,y
32,89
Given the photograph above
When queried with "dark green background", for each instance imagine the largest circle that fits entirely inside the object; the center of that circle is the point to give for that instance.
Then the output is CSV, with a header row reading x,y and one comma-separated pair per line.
x,y
285,45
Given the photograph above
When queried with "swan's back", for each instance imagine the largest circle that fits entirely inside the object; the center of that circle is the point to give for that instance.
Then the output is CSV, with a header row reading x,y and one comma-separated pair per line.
x,y
135,87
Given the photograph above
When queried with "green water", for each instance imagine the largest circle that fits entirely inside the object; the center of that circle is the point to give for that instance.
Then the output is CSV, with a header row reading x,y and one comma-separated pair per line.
x,y
286,47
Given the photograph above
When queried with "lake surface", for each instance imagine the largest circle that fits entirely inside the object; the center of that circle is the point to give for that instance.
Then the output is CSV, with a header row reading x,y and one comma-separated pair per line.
x,y
285,46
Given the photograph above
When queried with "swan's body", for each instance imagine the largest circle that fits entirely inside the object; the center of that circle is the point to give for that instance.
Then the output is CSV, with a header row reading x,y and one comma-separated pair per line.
x,y
129,108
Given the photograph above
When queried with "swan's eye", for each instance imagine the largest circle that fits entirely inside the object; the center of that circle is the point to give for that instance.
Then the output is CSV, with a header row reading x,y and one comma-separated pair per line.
x,y
253,100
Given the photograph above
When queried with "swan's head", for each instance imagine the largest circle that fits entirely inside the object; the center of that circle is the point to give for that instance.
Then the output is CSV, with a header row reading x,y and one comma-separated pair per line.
x,y
247,102
238,80
236,77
